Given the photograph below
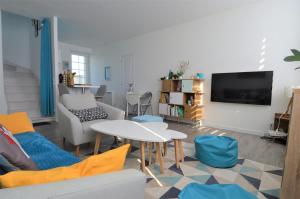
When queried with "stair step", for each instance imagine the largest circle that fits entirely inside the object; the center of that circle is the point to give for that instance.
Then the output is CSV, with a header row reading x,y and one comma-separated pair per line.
x,y
12,67
20,97
23,105
28,89
20,81
42,119
15,74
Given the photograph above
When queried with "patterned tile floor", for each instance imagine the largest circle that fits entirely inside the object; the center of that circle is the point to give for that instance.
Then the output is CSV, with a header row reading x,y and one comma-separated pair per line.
x,y
260,179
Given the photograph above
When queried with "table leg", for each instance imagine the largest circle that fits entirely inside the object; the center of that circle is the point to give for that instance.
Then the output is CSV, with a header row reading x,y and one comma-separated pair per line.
x,y
181,150
176,153
158,154
97,144
165,148
150,152
142,151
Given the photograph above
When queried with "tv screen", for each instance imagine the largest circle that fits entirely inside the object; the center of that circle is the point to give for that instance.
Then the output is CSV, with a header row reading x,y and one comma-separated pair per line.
x,y
244,88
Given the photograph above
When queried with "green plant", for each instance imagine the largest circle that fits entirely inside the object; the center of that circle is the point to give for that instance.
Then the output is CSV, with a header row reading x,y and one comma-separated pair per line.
x,y
294,57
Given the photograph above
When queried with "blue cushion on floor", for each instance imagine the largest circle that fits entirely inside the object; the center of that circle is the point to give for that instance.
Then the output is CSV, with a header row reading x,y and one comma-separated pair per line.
x,y
43,152
217,151
215,191
147,118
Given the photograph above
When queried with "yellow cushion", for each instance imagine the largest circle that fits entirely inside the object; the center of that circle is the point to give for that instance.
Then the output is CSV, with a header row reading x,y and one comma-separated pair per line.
x,y
17,122
109,161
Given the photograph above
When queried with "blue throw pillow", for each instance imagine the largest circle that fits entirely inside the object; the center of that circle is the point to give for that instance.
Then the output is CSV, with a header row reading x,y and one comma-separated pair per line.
x,y
6,166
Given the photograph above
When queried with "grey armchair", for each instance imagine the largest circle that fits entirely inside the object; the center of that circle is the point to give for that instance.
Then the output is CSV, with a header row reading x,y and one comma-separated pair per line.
x,y
72,129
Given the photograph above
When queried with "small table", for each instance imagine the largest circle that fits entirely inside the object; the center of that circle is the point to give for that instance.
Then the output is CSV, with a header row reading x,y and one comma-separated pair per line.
x,y
142,132
84,87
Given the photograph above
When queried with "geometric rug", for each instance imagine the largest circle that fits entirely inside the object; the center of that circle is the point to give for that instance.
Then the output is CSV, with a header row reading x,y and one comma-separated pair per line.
x,y
262,180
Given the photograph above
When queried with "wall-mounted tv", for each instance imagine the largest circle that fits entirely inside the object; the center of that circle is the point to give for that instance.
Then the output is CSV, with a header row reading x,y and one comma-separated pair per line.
x,y
243,88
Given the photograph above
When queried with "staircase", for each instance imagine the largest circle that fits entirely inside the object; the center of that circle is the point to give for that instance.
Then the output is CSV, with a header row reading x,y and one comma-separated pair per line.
x,y
22,92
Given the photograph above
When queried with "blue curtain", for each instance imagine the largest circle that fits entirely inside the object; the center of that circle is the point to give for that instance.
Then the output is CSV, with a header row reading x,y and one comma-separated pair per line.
x,y
46,71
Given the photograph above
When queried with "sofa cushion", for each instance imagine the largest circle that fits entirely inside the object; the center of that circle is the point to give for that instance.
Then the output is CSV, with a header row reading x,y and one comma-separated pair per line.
x,y
44,153
107,162
90,114
14,153
6,166
17,122
79,101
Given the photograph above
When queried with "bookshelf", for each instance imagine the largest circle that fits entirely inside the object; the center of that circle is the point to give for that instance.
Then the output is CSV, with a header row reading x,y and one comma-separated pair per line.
x,y
182,99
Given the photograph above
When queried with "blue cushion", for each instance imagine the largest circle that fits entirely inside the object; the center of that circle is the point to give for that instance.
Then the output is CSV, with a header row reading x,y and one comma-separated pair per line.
x,y
147,118
217,151
215,191
44,153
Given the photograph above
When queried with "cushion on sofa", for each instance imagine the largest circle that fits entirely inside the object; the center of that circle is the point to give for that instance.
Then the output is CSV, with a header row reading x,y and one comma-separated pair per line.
x,y
109,161
79,101
90,114
17,122
14,153
43,152
6,166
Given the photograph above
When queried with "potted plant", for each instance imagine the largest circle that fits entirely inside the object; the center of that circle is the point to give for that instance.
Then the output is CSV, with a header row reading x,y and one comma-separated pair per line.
x,y
294,57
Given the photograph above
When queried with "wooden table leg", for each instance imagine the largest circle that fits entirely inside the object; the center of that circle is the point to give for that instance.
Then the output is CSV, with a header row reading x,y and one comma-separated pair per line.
x,y
181,150
176,153
158,154
142,151
165,148
97,143
150,152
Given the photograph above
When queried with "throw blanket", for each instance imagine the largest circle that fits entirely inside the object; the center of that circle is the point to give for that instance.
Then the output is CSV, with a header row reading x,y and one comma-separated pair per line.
x,y
43,152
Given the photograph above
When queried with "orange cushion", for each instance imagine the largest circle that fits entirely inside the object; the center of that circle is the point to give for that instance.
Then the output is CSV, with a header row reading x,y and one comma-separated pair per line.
x,y
17,122
109,161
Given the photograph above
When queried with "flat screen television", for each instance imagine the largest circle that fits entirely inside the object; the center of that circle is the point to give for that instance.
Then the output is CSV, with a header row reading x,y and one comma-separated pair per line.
x,y
243,88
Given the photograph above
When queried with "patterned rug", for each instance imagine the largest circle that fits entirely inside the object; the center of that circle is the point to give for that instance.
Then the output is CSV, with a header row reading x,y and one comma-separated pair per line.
x,y
262,180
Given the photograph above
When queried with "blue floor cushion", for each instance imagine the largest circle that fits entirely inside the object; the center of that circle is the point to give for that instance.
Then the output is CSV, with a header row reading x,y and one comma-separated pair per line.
x,y
147,118
215,191
43,152
217,151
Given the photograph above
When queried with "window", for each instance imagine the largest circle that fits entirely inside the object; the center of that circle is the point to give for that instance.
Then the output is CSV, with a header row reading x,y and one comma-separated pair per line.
x,y
80,67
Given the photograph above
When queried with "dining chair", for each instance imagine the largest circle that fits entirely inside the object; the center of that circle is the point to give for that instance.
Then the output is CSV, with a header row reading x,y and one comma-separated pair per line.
x,y
145,103
100,92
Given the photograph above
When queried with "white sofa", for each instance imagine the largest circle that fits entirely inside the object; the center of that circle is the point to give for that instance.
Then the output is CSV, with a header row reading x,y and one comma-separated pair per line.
x,y
126,184
70,126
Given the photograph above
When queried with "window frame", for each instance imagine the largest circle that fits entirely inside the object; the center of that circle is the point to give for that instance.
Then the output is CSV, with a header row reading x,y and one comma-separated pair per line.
x,y
87,65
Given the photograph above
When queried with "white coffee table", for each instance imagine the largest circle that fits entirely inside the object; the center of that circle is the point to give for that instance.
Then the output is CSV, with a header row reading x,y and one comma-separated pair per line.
x,y
142,132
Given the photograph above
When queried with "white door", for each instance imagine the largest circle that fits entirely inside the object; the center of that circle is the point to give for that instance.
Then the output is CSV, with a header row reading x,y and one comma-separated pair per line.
x,y
127,75
127,71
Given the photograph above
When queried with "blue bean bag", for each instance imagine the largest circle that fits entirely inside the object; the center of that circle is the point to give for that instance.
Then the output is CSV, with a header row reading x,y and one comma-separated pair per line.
x,y
215,191
217,151
147,118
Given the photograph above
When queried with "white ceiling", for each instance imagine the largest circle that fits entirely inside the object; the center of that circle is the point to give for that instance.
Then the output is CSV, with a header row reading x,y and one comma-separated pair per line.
x,y
95,22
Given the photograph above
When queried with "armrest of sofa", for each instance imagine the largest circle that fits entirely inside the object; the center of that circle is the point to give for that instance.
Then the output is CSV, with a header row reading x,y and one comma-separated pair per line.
x,y
69,124
113,112
125,184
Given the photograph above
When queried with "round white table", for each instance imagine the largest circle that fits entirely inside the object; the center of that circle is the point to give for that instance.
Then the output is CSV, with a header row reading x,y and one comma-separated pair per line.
x,y
142,132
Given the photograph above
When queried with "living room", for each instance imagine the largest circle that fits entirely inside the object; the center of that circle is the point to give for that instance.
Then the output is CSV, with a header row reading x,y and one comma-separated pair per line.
x,y
125,51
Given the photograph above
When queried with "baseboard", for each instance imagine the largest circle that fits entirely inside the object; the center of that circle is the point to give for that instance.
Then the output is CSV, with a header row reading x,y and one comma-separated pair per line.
x,y
231,128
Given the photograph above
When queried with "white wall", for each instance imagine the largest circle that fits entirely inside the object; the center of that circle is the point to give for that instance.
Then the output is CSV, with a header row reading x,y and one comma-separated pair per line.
x,y
3,105
231,41
66,50
18,41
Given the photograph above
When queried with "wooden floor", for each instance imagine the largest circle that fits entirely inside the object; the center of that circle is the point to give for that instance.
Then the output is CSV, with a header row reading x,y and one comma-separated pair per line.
x,y
250,146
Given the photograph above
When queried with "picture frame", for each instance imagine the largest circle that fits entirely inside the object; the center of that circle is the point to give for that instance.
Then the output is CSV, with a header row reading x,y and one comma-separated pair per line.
x,y
107,73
